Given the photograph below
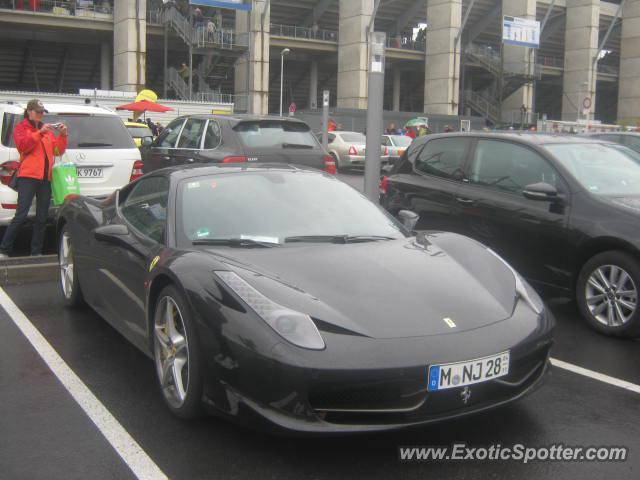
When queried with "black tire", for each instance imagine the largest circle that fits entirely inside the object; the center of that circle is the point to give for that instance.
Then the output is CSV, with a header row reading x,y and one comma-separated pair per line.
x,y
622,260
69,282
339,169
191,405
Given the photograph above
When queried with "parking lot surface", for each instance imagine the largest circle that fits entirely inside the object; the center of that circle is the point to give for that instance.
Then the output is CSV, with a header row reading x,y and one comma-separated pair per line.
x,y
46,434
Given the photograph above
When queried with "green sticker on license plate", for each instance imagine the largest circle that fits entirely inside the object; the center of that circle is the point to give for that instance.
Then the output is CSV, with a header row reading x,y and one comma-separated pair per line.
x,y
459,374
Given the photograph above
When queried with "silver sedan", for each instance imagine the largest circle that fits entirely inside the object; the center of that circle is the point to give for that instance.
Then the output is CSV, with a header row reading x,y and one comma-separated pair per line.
x,y
348,149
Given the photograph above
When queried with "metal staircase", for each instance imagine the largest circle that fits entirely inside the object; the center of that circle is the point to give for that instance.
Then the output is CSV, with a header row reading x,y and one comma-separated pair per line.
x,y
508,79
220,48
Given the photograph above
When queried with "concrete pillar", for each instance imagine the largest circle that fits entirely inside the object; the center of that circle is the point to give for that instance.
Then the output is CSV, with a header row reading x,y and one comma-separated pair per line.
x,y
353,20
105,66
252,69
442,69
129,44
396,89
580,47
518,59
313,86
629,88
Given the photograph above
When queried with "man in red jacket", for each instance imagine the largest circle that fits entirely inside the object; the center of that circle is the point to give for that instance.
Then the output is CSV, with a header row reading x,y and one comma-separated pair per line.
x,y
36,144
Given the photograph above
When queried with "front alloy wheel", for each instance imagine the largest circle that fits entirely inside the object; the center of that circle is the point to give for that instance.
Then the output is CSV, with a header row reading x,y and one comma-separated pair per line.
x,y
607,293
68,277
175,354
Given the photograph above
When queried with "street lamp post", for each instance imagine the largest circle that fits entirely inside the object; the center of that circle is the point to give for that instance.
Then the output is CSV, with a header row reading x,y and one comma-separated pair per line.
x,y
285,51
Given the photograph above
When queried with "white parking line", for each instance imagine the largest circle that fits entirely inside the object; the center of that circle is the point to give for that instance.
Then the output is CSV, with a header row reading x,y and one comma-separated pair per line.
x,y
128,449
616,382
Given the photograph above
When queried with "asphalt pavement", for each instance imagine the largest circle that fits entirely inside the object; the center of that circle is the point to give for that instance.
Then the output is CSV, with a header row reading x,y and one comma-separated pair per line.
x,y
46,434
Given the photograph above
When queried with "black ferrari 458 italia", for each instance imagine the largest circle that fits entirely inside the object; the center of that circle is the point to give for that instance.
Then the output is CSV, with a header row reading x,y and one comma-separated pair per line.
x,y
281,297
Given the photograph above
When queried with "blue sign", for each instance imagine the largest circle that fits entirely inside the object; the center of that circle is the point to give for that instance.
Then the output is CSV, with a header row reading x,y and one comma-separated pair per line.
x,y
232,4
521,31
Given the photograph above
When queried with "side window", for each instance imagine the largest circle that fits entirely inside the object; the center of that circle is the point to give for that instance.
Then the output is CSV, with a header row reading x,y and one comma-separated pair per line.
x,y
169,135
509,167
330,138
632,142
9,121
145,208
443,157
192,133
212,136
386,142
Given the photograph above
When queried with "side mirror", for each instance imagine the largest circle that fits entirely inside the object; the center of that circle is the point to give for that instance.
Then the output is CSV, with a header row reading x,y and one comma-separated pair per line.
x,y
146,141
541,191
409,219
115,233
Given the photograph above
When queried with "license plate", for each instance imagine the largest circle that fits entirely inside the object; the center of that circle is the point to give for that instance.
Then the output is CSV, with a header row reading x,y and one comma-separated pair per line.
x,y
459,374
90,172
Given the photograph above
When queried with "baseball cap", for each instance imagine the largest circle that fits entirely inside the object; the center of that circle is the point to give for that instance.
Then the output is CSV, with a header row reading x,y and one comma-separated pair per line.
x,y
37,106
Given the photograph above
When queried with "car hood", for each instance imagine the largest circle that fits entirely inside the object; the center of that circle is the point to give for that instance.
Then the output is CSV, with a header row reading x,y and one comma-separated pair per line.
x,y
386,289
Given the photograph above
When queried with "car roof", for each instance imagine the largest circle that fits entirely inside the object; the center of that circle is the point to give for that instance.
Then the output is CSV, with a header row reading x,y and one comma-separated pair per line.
x,y
60,108
135,124
200,170
531,138
237,118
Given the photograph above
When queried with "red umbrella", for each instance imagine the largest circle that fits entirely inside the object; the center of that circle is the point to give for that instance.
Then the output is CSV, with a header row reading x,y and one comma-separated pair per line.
x,y
144,106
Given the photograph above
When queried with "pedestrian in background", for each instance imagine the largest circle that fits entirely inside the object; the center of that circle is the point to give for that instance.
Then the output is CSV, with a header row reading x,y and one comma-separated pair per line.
x,y
36,144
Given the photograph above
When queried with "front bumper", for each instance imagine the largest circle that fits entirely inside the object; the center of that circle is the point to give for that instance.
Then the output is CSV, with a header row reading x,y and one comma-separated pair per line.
x,y
359,384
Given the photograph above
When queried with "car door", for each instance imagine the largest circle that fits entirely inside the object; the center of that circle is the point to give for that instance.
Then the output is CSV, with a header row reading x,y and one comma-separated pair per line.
x,y
160,153
189,142
126,262
429,189
490,207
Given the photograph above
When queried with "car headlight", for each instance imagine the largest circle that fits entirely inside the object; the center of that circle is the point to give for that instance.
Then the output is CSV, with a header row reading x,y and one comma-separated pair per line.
x,y
523,289
295,327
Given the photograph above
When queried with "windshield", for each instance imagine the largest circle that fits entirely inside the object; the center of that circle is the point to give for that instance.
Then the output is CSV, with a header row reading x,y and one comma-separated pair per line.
x,y
140,132
270,206
353,138
94,131
603,169
401,140
275,134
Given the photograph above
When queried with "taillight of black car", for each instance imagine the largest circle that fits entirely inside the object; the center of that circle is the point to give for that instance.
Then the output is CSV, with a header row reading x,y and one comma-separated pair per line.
x,y
329,164
384,185
234,159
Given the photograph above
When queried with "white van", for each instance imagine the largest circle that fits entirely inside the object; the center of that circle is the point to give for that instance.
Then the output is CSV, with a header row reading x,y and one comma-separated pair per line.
x,y
99,144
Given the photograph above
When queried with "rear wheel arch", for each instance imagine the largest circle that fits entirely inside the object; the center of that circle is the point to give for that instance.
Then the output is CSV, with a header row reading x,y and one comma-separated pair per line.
x,y
596,247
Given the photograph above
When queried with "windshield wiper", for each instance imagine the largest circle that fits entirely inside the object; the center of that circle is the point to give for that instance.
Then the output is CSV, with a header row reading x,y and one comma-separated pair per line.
x,y
94,144
296,145
336,238
234,242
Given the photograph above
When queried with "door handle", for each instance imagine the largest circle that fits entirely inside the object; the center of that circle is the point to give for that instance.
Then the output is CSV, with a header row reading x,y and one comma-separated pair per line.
x,y
189,160
464,201
166,157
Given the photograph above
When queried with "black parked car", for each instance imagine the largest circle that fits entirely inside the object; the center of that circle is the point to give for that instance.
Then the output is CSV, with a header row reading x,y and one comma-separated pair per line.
x,y
282,297
237,139
628,139
563,210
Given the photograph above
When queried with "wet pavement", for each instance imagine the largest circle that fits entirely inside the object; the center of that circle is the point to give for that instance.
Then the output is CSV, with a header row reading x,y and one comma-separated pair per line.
x,y
45,434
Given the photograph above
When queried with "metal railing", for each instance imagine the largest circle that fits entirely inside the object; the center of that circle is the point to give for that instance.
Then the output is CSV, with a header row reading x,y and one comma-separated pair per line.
x,y
406,43
549,61
79,8
306,33
482,105
203,33
608,69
